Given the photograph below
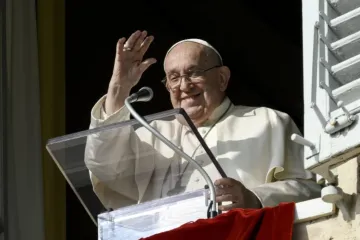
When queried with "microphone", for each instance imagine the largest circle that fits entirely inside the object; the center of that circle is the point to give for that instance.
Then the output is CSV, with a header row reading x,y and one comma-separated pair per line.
x,y
145,94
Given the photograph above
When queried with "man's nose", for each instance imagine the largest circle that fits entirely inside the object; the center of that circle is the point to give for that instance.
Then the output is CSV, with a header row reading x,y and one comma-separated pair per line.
x,y
185,83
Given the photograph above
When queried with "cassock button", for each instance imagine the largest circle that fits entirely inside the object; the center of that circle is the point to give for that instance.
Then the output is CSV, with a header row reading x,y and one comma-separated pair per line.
x,y
197,179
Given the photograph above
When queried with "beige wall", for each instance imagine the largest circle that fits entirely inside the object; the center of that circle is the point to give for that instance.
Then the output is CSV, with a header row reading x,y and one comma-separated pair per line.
x,y
335,227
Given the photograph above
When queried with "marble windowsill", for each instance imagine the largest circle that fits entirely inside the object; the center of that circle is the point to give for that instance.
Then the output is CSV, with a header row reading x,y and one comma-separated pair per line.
x,y
313,209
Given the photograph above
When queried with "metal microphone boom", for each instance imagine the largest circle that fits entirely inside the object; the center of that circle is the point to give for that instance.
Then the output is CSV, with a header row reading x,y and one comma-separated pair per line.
x,y
145,94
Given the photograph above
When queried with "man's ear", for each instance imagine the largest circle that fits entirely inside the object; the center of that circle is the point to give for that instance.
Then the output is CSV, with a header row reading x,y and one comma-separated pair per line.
x,y
224,78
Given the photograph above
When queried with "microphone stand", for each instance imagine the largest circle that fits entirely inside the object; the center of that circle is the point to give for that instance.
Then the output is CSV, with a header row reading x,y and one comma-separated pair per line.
x,y
213,211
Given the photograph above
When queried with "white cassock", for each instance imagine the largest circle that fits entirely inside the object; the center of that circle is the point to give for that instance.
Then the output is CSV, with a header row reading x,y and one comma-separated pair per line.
x,y
251,144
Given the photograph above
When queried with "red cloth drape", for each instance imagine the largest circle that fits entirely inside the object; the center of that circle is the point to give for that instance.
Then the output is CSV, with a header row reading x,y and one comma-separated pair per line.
x,y
275,223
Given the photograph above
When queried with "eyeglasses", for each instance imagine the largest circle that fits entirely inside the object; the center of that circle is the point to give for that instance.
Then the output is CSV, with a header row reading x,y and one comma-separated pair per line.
x,y
194,77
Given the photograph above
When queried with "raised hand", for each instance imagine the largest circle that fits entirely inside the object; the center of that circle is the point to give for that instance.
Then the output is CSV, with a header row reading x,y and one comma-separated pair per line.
x,y
128,68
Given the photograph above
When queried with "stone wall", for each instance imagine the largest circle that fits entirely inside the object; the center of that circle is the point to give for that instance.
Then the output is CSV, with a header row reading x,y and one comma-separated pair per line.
x,y
336,227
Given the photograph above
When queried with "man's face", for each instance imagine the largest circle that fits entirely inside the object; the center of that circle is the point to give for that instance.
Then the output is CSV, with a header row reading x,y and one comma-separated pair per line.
x,y
197,92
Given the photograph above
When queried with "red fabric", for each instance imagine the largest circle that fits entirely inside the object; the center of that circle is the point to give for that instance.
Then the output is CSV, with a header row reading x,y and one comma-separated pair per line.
x,y
274,223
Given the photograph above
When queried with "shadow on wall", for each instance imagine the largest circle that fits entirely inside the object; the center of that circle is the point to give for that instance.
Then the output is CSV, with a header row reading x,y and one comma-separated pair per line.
x,y
300,233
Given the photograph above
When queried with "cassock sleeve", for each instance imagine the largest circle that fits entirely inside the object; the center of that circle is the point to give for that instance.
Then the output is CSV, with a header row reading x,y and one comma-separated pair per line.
x,y
287,180
113,156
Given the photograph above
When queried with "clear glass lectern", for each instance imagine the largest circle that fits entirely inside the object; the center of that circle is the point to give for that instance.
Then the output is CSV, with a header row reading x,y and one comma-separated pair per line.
x,y
131,184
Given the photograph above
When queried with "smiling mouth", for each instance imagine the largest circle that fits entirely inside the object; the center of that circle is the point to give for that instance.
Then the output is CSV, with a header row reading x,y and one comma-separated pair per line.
x,y
191,97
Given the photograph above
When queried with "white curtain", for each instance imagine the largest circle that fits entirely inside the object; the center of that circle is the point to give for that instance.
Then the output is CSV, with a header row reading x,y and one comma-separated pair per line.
x,y
20,159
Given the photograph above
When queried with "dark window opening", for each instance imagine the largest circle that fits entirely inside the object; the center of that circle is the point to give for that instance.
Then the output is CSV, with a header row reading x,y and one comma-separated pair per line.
x,y
259,41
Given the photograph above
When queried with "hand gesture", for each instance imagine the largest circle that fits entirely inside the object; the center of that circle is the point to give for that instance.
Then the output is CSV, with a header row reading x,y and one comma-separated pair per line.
x,y
129,65
128,68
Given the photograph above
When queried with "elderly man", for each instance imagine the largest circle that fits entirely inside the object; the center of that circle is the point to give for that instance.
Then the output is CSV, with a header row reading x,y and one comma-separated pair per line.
x,y
252,145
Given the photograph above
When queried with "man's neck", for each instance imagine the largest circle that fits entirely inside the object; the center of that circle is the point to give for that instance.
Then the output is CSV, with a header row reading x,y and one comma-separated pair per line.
x,y
214,116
